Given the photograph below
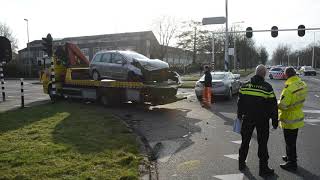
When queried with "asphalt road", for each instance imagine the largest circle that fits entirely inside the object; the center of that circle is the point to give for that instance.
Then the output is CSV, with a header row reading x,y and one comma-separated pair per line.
x,y
195,143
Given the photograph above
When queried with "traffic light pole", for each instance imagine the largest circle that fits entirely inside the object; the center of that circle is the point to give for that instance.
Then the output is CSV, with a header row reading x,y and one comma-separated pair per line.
x,y
268,30
2,82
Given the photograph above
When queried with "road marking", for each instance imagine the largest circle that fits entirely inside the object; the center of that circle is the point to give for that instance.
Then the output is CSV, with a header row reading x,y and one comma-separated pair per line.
x,y
312,120
315,79
313,124
237,142
232,156
317,96
230,176
312,111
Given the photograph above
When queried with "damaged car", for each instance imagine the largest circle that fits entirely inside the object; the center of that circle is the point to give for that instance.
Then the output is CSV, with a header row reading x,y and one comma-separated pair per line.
x,y
130,66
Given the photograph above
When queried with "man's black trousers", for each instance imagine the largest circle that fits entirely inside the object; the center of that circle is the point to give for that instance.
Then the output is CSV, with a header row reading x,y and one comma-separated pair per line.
x,y
262,127
290,137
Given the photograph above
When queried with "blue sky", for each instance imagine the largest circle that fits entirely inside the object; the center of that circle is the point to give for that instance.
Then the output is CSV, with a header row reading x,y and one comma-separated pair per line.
x,y
67,18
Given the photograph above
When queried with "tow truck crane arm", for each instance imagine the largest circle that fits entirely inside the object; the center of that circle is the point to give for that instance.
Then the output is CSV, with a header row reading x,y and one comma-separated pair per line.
x,y
75,56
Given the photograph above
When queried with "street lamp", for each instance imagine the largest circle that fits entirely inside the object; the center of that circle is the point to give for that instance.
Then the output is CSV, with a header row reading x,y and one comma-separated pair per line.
x,y
29,59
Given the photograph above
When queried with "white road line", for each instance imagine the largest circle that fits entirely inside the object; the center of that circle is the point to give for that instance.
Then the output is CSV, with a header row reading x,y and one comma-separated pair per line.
x,y
230,176
232,156
315,79
237,142
312,111
312,120
316,96
313,124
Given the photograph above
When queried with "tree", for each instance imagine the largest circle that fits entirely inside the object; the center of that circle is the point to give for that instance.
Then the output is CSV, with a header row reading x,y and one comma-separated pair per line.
x,y
7,32
166,28
280,55
263,55
193,38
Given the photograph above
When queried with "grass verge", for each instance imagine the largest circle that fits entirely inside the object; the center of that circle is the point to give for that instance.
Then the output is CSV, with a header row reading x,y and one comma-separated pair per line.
x,y
66,141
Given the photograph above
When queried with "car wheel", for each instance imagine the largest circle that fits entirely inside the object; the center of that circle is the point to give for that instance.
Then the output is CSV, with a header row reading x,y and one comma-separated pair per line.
x,y
199,98
229,96
95,75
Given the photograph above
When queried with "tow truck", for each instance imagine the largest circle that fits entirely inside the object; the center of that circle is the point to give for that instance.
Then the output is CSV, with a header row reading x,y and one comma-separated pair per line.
x,y
72,80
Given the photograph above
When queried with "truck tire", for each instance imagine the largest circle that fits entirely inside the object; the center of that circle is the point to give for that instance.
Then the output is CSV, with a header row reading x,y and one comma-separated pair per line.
x,y
95,75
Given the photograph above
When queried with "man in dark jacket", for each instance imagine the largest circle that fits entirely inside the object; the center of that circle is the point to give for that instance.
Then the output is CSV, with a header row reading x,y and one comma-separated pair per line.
x,y
206,97
256,105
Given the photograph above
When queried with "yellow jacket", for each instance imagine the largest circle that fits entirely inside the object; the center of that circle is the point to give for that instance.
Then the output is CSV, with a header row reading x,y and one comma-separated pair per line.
x,y
291,102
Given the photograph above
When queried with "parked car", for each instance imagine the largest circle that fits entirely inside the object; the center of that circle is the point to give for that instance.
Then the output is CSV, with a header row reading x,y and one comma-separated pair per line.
x,y
223,84
308,70
276,73
130,66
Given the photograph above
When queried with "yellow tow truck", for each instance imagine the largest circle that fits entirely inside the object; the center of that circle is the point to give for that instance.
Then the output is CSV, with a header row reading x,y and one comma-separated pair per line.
x,y
72,80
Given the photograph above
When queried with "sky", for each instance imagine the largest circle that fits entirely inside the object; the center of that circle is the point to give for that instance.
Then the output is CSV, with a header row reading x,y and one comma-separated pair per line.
x,y
69,18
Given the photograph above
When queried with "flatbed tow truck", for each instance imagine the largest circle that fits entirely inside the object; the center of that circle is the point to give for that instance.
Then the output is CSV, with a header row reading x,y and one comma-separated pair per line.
x,y
72,80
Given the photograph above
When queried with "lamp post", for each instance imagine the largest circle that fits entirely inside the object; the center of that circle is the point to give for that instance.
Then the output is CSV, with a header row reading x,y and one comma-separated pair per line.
x,y
29,59
226,45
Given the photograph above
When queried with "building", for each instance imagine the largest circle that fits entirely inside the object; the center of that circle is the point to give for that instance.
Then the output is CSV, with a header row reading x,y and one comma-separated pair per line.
x,y
143,42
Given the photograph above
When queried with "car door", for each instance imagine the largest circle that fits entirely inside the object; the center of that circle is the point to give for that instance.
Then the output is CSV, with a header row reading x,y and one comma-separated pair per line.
x,y
105,65
118,67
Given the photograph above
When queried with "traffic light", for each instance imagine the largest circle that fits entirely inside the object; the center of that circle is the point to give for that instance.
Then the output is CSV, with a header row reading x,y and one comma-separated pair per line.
x,y
274,31
47,44
301,30
249,32
5,50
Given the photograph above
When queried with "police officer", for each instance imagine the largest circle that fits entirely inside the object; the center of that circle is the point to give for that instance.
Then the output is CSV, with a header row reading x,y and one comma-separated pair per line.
x,y
291,115
256,105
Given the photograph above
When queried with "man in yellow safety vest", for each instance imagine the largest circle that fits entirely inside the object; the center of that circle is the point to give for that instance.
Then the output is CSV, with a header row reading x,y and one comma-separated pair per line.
x,y
291,115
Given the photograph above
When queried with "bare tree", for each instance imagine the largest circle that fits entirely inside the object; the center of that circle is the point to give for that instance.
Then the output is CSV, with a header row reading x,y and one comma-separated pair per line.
x,y
166,28
7,32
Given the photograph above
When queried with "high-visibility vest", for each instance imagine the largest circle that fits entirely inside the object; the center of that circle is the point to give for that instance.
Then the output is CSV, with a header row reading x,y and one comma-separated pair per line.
x,y
291,102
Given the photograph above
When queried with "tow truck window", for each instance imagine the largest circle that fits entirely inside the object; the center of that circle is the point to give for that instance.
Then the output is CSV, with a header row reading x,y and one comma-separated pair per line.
x,y
106,58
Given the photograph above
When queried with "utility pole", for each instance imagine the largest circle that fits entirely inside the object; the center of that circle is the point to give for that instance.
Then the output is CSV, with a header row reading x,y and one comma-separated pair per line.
x,y
298,61
314,44
213,65
226,46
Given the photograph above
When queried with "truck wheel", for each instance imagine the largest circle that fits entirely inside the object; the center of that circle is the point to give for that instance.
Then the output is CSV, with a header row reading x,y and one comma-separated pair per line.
x,y
95,75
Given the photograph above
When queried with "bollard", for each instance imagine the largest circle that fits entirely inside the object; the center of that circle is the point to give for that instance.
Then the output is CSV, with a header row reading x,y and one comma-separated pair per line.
x,y
22,93
2,82
53,80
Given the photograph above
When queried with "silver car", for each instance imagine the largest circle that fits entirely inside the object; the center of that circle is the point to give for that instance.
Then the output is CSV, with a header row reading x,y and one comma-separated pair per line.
x,y
129,66
223,84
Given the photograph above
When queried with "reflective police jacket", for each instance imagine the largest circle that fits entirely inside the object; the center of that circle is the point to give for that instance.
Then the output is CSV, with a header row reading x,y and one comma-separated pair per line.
x,y
291,103
257,101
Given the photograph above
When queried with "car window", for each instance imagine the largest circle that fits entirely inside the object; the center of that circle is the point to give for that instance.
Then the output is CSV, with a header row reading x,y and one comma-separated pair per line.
x,y
134,55
106,58
276,69
117,58
97,58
